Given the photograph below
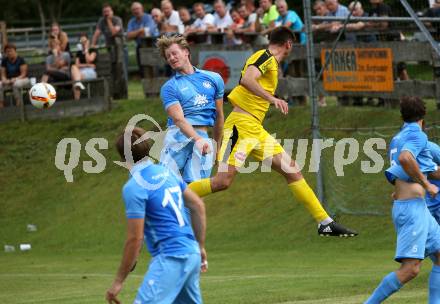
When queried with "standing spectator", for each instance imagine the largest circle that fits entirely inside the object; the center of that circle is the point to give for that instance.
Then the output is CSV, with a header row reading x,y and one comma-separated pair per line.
x,y
140,25
84,67
185,17
358,11
111,27
57,64
249,20
290,19
222,19
203,21
320,10
157,16
57,33
13,73
268,14
171,21
250,5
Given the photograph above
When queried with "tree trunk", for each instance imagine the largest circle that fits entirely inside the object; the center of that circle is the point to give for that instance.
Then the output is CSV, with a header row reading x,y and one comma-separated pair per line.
x,y
43,23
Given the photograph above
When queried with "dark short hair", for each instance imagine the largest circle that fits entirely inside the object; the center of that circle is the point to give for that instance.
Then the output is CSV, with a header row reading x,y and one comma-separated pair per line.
x,y
106,4
412,109
281,35
139,150
199,4
9,46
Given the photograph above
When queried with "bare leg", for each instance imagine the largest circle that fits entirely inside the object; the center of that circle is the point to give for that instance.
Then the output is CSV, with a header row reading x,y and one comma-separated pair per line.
x,y
45,78
283,164
76,76
224,177
408,270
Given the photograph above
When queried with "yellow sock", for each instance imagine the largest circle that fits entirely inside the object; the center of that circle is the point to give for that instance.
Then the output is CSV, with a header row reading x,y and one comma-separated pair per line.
x,y
201,187
303,193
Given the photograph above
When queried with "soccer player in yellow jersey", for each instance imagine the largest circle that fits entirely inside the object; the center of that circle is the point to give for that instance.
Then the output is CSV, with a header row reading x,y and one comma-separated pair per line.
x,y
244,134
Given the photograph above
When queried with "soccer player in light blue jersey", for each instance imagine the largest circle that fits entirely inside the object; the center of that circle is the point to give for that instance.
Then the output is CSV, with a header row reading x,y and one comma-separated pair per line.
x,y
154,198
434,202
418,233
193,100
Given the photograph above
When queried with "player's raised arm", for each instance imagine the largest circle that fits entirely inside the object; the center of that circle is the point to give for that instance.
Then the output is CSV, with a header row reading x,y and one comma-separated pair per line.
x,y
133,243
249,81
198,220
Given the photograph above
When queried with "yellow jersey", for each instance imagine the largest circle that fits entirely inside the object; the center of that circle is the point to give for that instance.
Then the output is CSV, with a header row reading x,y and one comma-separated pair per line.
x,y
245,99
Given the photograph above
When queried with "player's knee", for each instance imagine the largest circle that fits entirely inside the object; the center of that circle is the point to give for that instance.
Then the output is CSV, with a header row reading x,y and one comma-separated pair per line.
x,y
410,271
224,182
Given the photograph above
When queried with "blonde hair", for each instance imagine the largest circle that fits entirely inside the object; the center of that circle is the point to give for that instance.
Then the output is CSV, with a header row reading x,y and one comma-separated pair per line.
x,y
164,42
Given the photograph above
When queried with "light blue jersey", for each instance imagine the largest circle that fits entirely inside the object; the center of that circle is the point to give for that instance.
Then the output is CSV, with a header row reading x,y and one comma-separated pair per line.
x,y
154,192
434,203
411,138
196,93
296,24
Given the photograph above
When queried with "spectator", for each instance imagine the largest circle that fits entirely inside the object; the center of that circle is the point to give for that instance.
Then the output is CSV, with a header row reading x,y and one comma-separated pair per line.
x,y
237,21
335,9
185,17
203,21
268,14
358,11
57,64
171,21
320,10
249,20
250,5
434,12
222,19
84,67
140,25
157,16
290,19
110,26
13,73
57,33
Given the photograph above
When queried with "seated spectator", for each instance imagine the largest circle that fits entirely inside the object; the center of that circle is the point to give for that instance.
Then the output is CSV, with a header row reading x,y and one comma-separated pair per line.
x,y
57,33
434,12
171,20
222,18
157,16
186,18
268,14
203,21
320,10
249,20
290,19
13,73
57,64
84,67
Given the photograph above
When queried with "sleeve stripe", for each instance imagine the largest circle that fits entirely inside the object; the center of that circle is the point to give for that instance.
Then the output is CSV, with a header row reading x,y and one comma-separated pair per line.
x,y
262,59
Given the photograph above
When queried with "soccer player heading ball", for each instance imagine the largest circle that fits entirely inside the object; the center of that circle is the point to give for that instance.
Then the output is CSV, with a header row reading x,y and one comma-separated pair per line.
x,y
244,134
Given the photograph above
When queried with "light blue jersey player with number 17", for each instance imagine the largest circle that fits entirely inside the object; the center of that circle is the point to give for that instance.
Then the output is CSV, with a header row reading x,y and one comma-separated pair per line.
x,y
418,233
154,199
193,100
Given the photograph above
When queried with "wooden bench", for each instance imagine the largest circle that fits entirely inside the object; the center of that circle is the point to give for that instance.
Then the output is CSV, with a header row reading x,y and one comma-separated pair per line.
x,y
97,96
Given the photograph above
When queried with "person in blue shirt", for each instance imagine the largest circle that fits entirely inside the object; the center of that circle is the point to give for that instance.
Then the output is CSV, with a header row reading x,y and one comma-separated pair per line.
x,y
418,233
139,26
193,100
290,19
154,198
433,203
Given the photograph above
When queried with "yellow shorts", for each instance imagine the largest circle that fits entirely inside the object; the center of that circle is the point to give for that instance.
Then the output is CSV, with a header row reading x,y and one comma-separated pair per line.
x,y
244,135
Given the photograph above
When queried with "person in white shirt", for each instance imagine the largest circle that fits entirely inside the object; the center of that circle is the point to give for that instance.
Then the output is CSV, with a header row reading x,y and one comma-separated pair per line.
x,y
171,21
203,21
222,19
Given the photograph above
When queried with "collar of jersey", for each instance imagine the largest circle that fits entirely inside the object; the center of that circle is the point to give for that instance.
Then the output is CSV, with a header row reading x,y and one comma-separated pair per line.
x,y
139,166
178,75
411,124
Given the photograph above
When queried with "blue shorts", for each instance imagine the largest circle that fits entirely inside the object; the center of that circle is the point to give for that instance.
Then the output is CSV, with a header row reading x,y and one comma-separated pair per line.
x,y
171,280
180,155
418,233
435,212
88,73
